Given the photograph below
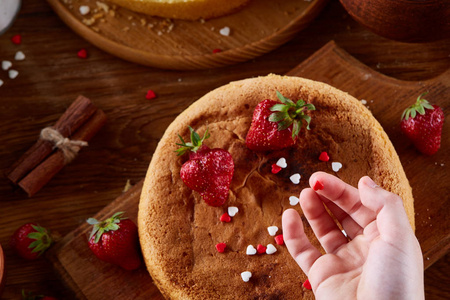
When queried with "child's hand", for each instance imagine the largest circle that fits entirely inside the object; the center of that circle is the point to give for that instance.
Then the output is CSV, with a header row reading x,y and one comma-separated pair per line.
x,y
382,260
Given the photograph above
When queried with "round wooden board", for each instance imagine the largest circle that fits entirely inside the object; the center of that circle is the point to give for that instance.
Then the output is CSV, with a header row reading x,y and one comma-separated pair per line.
x,y
258,28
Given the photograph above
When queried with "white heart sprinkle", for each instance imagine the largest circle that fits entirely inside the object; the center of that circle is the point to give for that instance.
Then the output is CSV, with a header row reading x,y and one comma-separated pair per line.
x,y
6,64
19,55
12,74
295,178
364,102
272,230
225,31
1,82
232,211
250,250
293,200
271,249
246,276
336,166
282,163
344,233
84,9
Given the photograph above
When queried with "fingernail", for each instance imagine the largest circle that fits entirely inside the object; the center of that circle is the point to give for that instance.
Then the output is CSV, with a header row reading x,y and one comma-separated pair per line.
x,y
371,183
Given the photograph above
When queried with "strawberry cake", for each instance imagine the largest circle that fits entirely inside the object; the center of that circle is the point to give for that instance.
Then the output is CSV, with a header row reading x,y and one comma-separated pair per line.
x,y
233,249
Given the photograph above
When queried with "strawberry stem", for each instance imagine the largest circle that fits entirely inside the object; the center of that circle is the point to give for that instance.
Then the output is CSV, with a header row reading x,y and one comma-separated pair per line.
x,y
195,143
418,107
42,239
290,113
110,224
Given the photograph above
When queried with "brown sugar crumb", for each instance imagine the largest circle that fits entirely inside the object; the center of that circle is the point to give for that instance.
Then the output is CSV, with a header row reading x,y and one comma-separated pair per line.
x,y
88,22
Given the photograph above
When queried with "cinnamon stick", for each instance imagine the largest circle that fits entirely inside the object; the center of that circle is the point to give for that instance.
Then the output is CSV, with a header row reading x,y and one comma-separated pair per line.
x,y
77,113
45,171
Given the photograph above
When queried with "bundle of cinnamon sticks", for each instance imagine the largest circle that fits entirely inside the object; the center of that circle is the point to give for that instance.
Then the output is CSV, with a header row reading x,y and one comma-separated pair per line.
x,y
80,122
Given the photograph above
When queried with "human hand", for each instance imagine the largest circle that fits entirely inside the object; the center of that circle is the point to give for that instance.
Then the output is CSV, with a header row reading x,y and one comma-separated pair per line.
x,y
380,259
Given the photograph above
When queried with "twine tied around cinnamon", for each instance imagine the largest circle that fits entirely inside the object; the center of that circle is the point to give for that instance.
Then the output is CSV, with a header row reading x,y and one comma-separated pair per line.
x,y
68,147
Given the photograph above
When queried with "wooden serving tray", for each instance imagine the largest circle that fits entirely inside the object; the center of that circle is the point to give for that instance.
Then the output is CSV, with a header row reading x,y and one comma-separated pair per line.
x,y
258,28
386,97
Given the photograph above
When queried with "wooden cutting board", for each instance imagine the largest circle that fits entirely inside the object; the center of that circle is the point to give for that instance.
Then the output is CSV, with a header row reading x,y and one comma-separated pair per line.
x,y
386,97
258,28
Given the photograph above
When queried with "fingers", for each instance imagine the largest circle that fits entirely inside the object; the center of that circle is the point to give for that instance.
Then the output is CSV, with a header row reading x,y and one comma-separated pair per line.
x,y
344,196
392,221
297,242
323,225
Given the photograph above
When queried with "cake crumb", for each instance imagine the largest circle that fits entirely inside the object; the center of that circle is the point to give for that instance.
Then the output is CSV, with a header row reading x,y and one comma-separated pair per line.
x,y
364,102
127,186
84,10
103,6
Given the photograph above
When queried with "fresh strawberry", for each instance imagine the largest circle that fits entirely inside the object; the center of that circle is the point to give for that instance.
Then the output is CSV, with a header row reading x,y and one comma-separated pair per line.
x,y
208,171
115,240
422,123
31,240
276,125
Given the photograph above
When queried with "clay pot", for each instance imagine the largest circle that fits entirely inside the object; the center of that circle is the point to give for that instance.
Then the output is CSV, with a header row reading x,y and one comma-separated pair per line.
x,y
403,20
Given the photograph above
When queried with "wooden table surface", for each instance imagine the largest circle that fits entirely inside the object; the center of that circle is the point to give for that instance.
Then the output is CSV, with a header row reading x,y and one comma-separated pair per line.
x,y
52,76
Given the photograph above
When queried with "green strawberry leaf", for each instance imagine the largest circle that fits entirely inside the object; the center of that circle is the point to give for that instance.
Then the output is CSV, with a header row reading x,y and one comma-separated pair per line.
x,y
195,143
419,107
290,113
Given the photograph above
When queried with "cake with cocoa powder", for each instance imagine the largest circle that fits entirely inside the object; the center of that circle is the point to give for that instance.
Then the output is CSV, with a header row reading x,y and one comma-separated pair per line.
x,y
179,231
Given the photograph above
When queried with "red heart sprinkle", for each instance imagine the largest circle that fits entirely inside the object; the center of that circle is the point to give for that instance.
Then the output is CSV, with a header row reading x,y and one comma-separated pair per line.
x,y
324,156
279,239
150,95
17,39
261,249
217,50
221,247
225,218
318,186
307,285
276,168
82,53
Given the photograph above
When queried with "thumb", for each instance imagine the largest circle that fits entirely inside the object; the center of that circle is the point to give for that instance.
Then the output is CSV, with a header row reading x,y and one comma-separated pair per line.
x,y
391,218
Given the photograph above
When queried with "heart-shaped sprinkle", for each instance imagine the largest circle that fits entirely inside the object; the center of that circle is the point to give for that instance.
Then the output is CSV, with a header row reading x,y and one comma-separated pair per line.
x,y
232,211
324,156
272,230
336,166
217,50
307,285
261,249
318,186
150,95
6,64
275,168
279,239
250,250
293,200
19,55
246,276
84,10
295,178
13,74
271,249
1,82
225,218
82,53
282,163
225,31
221,247
17,39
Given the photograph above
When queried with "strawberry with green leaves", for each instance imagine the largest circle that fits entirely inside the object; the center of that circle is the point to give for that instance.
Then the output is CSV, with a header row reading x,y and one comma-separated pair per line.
x,y
422,123
208,171
30,241
31,296
276,125
116,241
